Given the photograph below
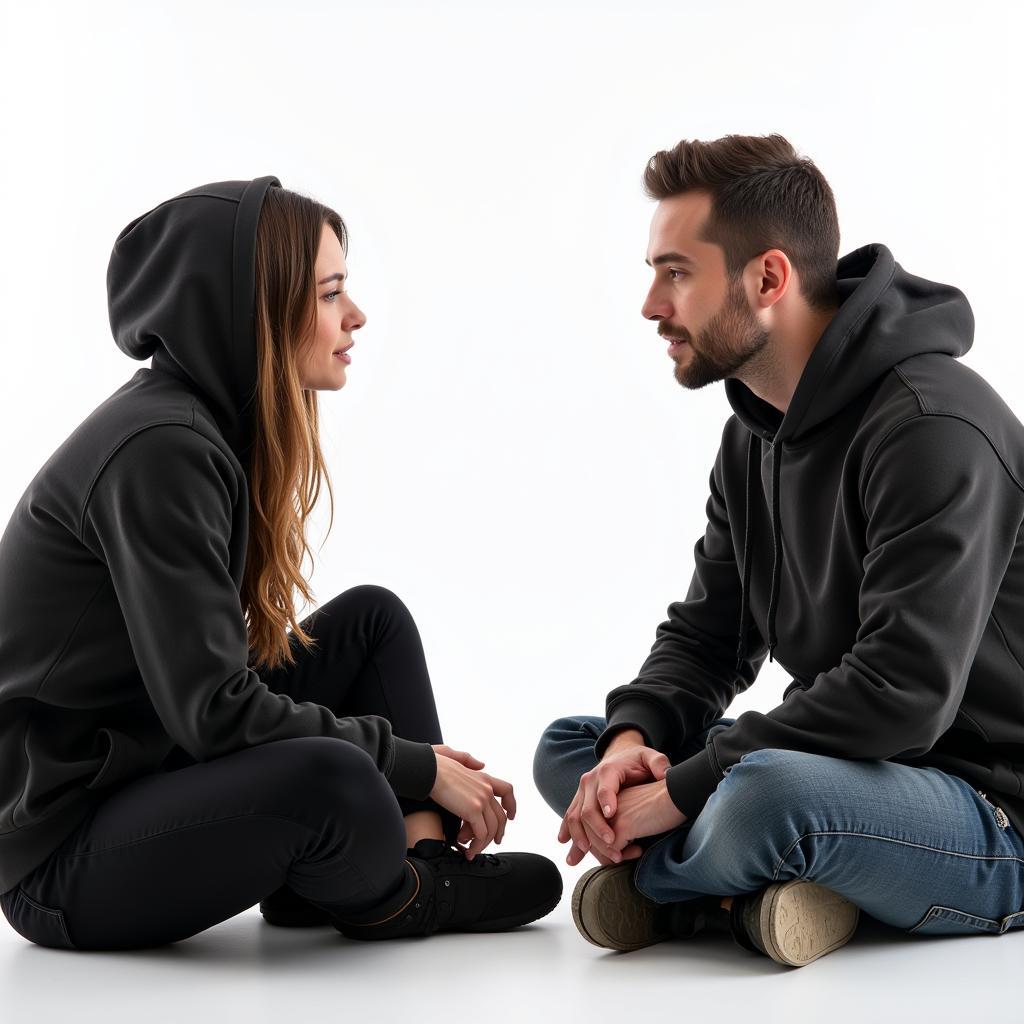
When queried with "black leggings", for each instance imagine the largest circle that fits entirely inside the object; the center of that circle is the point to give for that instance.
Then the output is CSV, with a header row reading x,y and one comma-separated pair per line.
x,y
173,853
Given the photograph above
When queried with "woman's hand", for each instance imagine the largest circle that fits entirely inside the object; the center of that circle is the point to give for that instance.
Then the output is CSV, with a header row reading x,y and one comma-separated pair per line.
x,y
471,794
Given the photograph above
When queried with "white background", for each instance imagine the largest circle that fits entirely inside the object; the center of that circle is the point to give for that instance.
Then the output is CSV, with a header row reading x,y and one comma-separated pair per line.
x,y
511,454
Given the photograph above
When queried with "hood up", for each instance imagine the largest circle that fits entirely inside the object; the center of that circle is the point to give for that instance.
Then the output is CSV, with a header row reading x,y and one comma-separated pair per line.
x,y
885,316
181,285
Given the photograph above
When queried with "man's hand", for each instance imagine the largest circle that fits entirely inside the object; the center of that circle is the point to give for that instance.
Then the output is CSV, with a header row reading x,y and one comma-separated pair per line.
x,y
626,762
645,810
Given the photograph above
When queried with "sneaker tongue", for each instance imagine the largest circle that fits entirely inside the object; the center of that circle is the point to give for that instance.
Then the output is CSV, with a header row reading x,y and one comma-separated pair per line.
x,y
430,848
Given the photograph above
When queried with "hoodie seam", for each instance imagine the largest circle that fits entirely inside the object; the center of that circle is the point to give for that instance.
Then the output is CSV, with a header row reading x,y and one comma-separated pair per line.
x,y
919,416
189,423
1009,650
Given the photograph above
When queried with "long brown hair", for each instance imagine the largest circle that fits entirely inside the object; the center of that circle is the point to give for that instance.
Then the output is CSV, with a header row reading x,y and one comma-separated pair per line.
x,y
763,196
286,463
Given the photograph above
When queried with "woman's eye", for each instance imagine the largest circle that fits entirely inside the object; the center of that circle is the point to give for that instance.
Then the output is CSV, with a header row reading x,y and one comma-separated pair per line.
x,y
330,295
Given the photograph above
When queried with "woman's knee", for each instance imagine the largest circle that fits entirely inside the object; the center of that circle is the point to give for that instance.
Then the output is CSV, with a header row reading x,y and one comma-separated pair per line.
x,y
327,769
373,595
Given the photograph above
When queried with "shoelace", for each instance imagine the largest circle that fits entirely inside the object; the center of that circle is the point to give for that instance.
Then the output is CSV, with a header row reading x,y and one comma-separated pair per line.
x,y
453,849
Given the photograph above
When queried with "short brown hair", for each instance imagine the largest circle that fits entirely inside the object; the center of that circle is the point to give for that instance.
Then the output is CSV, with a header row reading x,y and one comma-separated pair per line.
x,y
763,196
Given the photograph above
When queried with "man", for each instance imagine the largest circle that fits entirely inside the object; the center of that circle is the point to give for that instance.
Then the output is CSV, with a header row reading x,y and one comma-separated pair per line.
x,y
864,531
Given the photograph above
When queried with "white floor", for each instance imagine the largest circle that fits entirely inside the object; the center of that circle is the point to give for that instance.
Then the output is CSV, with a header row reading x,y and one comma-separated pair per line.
x,y
247,970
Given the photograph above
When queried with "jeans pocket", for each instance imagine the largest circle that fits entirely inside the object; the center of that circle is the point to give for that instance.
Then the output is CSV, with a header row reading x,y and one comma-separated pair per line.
x,y
949,921
45,926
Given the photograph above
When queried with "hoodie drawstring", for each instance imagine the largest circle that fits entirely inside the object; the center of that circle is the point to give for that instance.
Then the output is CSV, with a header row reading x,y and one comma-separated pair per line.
x,y
753,470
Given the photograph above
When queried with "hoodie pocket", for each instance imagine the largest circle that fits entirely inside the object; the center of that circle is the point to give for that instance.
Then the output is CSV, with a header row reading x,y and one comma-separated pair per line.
x,y
127,758
45,926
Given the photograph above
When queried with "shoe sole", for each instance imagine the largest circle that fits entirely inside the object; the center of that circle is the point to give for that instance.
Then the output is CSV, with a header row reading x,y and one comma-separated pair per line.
x,y
505,923
610,913
297,919
800,921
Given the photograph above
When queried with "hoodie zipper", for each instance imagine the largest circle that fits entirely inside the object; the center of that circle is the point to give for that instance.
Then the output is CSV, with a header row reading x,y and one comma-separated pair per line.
x,y
1001,818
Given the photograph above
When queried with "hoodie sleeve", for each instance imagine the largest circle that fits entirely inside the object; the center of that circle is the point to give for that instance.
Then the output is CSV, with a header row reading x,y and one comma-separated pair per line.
x,y
690,676
942,516
160,516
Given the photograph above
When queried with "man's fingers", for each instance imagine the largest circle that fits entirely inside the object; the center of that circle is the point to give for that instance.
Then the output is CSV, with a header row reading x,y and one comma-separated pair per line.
x,y
575,855
563,830
600,845
657,764
607,799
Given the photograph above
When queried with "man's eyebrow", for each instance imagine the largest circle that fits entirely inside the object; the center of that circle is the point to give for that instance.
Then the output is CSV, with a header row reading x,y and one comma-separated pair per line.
x,y
332,277
670,257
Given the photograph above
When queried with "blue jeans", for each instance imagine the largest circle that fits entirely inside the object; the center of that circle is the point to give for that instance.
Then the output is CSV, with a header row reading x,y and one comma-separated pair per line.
x,y
915,848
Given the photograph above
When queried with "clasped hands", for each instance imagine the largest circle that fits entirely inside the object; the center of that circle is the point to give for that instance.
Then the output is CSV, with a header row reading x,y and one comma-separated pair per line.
x,y
617,803
623,798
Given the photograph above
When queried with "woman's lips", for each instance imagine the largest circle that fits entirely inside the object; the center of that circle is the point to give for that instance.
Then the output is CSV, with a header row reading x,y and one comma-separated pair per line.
x,y
343,356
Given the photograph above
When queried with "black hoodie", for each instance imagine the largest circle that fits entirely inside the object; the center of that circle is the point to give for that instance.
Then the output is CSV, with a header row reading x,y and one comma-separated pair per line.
x,y
871,538
123,645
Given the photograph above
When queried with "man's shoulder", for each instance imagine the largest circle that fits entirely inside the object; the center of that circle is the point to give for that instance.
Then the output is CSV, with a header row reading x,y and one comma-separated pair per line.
x,y
933,387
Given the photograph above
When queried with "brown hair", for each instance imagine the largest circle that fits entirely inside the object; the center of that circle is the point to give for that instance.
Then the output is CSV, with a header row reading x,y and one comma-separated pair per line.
x,y
763,196
286,464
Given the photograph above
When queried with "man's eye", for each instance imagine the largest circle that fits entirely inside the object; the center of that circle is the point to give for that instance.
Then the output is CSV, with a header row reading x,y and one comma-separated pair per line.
x,y
681,273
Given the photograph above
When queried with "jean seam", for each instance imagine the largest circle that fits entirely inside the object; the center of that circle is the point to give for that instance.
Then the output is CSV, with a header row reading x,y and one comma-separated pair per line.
x,y
890,839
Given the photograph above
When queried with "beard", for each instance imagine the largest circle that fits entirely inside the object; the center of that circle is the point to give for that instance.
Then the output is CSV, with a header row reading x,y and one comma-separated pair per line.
x,y
725,343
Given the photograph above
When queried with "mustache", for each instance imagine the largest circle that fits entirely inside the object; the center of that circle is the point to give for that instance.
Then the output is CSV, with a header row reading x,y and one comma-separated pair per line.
x,y
670,334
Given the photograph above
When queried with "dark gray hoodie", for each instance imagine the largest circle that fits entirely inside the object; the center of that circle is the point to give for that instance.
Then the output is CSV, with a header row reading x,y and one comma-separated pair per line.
x,y
869,540
123,646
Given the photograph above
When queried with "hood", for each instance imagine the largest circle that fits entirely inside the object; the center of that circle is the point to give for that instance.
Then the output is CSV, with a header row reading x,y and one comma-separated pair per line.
x,y
181,285
885,316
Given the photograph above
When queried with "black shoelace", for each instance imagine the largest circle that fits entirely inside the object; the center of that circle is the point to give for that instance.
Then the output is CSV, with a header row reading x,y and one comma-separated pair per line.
x,y
452,849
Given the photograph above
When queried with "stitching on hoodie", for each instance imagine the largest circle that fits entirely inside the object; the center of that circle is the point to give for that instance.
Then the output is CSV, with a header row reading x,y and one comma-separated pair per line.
x,y
928,410
1009,651
106,462
911,419
960,711
913,387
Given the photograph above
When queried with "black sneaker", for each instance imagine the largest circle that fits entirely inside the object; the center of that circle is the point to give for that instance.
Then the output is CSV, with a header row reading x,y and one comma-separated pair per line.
x,y
490,893
286,908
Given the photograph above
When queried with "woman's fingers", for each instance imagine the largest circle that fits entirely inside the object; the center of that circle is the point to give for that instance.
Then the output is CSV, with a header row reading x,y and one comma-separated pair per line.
x,y
486,824
503,790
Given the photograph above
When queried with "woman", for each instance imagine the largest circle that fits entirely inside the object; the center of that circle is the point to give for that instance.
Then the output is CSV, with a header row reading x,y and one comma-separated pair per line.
x,y
171,752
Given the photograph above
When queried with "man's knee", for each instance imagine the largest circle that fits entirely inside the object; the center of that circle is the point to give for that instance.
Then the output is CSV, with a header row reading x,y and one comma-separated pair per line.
x,y
557,760
764,785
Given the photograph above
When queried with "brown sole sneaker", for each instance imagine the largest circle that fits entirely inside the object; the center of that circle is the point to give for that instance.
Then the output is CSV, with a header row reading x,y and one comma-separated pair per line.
x,y
611,912
798,921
